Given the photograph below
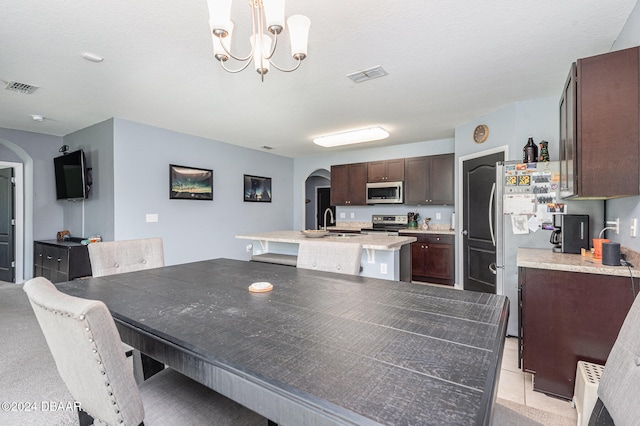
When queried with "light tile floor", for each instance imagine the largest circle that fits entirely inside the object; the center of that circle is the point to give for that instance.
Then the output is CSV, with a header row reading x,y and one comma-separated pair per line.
x,y
517,386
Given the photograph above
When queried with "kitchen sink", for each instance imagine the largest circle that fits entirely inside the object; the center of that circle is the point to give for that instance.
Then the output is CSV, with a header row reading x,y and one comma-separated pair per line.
x,y
335,235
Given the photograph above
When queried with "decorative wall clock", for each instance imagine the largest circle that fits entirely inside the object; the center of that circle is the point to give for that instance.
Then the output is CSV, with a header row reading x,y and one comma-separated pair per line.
x,y
480,133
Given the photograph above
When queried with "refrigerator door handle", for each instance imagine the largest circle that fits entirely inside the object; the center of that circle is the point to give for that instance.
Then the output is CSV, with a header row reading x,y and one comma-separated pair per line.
x,y
493,191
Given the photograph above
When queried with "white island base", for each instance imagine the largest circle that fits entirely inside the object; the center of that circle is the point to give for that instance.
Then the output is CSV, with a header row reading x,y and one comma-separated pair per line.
x,y
386,257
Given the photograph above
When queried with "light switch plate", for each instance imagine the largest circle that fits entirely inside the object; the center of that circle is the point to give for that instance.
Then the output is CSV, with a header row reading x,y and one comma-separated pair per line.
x,y
152,217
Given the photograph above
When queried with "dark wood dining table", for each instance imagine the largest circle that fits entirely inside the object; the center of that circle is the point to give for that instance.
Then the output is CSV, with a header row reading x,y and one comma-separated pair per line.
x,y
319,348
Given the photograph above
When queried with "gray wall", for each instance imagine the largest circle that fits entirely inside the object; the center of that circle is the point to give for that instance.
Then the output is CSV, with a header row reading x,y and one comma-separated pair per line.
x,y
193,229
42,217
626,208
93,216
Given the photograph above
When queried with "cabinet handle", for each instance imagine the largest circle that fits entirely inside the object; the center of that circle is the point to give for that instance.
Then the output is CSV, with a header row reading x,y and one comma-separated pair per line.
x,y
49,257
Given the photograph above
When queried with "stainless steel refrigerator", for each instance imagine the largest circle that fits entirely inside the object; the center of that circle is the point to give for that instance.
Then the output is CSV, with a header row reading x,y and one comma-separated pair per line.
x,y
526,198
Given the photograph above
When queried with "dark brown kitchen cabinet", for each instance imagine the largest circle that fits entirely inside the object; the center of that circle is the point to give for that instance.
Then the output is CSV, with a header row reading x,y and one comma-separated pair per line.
x,y
60,261
348,184
386,171
429,180
433,258
599,127
567,317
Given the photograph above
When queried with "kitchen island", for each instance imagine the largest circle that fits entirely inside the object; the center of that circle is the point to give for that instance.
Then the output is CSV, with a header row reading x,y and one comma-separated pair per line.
x,y
383,256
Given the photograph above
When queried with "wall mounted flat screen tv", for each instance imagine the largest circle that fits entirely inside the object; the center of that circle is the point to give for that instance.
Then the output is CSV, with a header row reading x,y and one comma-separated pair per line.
x,y
71,176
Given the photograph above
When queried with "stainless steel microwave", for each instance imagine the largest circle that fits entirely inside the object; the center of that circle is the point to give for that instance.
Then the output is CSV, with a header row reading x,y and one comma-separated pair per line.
x,y
385,193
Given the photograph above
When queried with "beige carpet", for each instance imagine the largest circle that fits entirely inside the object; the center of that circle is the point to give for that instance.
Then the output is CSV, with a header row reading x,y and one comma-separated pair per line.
x,y
31,391
544,417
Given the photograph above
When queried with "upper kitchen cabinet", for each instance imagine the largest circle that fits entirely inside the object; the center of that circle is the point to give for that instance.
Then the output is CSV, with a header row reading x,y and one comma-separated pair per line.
x,y
599,127
348,184
386,171
429,180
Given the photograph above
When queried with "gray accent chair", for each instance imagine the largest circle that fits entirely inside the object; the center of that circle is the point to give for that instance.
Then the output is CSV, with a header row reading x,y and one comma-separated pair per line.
x,y
343,258
85,345
118,257
619,389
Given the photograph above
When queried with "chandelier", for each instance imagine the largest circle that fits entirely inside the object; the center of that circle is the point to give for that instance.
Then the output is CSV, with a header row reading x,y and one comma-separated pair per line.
x,y
266,15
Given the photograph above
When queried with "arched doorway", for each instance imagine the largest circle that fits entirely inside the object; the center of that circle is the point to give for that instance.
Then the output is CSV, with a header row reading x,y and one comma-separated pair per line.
x,y
23,230
317,196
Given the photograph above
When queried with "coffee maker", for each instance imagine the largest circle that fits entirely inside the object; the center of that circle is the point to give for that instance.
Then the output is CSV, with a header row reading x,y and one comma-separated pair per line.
x,y
571,233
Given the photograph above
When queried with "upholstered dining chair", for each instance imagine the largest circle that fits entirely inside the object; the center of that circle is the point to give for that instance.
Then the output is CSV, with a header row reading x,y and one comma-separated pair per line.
x,y
85,345
619,389
343,258
117,257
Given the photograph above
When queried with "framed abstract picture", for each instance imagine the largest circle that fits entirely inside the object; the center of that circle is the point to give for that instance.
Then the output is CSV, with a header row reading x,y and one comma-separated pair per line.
x,y
257,189
190,183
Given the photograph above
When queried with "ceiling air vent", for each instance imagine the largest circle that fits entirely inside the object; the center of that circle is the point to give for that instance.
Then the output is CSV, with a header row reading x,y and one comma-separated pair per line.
x,y
21,87
368,74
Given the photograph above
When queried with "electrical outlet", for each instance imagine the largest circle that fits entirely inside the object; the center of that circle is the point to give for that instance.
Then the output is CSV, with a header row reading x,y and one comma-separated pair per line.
x,y
634,227
353,215
342,215
383,268
152,217
438,216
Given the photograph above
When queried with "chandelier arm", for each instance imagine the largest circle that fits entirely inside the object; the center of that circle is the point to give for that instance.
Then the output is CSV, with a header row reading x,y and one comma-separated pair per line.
x,y
273,49
246,58
246,64
286,70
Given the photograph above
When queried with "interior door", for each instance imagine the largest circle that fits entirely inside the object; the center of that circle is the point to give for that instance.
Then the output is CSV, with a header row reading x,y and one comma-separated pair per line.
x,y
324,203
479,246
7,224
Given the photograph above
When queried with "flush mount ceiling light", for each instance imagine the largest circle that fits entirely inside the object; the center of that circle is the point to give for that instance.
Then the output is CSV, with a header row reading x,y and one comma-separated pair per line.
x,y
265,15
92,57
353,136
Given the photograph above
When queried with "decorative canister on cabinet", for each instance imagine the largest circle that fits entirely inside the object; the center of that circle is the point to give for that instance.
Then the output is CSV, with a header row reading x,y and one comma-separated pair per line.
x,y
530,152
544,151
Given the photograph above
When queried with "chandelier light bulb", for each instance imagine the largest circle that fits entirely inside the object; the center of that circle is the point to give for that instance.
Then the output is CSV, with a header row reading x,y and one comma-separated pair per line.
x,y
268,20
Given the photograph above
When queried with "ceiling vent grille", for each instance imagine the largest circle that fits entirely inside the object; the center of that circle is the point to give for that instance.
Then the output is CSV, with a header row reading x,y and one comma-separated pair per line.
x,y
21,87
368,74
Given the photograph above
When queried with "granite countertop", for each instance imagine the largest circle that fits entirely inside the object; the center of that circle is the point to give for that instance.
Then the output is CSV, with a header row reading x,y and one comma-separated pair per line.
x,y
431,230
548,259
375,242
357,226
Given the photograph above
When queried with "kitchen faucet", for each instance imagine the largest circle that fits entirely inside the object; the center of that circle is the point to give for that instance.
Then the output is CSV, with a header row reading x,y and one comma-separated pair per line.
x,y
325,217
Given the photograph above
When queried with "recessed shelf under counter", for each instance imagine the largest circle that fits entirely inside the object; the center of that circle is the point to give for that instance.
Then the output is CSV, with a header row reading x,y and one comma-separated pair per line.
x,y
386,257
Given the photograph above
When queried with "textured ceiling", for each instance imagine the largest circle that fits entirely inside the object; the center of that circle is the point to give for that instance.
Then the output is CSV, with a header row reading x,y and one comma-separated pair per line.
x,y
449,62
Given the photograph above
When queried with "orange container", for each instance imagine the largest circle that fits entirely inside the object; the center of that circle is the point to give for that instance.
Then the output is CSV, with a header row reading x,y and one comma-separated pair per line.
x,y
597,247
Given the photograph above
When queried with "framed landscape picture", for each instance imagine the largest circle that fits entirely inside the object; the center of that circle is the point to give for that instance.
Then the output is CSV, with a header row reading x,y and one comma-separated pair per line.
x,y
190,183
257,188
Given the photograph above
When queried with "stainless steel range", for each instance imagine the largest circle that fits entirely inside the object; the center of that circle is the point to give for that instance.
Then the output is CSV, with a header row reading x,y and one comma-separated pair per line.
x,y
386,224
